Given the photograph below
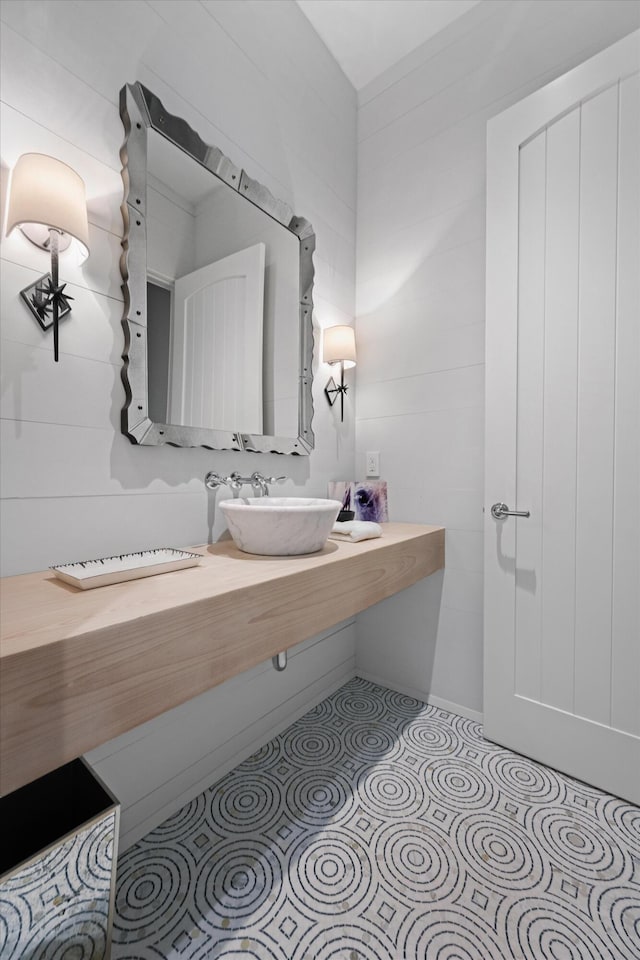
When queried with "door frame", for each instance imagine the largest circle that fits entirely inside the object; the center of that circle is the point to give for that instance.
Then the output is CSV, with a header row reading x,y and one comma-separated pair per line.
x,y
615,755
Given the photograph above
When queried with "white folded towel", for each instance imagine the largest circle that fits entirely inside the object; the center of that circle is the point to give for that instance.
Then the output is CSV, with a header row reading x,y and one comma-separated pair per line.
x,y
355,530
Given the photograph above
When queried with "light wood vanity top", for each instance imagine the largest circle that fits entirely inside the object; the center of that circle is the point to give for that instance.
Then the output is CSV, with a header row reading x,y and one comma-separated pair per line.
x,y
80,667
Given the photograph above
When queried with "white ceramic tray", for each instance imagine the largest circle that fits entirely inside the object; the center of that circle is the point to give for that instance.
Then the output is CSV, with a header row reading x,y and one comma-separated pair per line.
x,y
127,566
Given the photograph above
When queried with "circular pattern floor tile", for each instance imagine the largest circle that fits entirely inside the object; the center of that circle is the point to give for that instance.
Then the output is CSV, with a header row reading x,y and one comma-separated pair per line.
x,y
380,828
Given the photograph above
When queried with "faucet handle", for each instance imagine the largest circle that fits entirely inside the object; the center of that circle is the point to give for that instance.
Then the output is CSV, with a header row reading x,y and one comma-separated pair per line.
x,y
268,480
214,480
235,481
258,482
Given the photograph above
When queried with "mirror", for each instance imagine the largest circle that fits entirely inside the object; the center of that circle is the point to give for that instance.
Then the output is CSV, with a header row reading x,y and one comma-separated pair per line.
x,y
217,278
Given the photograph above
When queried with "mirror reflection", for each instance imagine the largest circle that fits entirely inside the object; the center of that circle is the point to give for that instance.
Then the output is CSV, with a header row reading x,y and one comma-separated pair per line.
x,y
222,303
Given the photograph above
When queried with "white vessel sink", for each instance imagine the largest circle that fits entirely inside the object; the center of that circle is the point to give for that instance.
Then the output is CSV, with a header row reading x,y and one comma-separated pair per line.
x,y
280,526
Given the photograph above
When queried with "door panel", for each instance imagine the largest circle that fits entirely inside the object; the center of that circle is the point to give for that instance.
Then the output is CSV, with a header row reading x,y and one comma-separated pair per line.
x,y
625,702
560,409
596,339
217,336
531,238
562,588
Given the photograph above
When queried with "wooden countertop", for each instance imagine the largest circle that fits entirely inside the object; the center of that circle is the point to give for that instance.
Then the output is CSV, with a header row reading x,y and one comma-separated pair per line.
x,y
80,667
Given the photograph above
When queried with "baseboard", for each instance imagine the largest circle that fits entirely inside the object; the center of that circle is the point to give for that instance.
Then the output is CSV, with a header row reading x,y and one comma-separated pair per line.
x,y
423,695
244,744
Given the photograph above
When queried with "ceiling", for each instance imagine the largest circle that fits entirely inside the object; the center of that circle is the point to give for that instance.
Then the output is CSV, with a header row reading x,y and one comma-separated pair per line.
x,y
368,36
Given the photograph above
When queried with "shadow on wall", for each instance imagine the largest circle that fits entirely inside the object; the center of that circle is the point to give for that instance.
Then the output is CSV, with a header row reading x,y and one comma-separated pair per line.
x,y
392,275
525,579
12,378
138,468
397,638
506,562
4,185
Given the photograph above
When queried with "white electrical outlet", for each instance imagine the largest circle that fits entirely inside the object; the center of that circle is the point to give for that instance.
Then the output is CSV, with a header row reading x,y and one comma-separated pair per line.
x,y
373,463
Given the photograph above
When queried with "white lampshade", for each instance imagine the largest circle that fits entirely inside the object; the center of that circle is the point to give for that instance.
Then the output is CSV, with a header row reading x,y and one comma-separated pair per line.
x,y
47,193
339,344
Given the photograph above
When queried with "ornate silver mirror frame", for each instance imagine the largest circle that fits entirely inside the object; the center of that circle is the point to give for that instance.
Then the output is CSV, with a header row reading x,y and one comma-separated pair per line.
x,y
142,111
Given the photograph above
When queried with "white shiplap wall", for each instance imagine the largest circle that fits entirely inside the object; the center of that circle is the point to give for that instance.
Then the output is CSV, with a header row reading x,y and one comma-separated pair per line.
x,y
420,308
254,79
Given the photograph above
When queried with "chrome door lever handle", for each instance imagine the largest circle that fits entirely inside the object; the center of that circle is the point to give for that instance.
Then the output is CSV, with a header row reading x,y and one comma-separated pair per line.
x,y
500,510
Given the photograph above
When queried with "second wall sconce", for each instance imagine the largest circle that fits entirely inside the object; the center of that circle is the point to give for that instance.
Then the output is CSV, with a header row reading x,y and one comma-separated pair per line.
x,y
338,346
47,202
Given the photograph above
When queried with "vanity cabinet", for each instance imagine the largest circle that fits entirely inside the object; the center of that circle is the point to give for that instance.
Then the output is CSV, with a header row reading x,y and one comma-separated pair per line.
x,y
81,667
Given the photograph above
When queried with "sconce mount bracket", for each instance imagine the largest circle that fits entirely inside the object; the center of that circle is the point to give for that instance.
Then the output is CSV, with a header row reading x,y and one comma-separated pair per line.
x,y
331,391
37,297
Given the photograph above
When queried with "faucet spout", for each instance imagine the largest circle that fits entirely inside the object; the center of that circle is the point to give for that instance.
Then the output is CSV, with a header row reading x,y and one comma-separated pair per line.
x,y
259,484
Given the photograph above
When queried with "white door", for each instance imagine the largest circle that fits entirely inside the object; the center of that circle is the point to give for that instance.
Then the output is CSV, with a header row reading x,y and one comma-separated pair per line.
x,y
562,587
216,365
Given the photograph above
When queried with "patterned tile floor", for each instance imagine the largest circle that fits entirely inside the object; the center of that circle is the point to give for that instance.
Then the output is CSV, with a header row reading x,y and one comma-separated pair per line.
x,y
378,827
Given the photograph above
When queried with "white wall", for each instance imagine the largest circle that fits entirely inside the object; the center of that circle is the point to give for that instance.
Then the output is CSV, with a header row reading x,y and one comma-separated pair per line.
x,y
420,307
254,79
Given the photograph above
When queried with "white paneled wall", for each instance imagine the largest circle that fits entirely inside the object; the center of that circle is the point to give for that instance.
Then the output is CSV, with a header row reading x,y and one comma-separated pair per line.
x,y
254,79
420,307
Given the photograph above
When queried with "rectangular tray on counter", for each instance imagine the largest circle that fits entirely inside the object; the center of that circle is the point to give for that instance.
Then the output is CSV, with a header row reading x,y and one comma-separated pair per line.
x,y
126,566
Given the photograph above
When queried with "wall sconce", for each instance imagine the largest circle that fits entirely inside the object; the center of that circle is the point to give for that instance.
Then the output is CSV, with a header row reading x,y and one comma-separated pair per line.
x,y
47,202
338,346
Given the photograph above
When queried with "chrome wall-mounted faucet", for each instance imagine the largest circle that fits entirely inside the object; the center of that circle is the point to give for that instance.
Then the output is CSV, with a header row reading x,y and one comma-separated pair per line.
x,y
260,486
258,483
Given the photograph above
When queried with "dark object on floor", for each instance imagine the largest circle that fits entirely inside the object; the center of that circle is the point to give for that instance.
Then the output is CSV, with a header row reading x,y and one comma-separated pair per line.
x,y
57,866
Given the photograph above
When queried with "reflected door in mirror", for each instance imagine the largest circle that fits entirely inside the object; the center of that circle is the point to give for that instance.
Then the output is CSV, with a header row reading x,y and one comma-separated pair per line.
x,y
216,344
